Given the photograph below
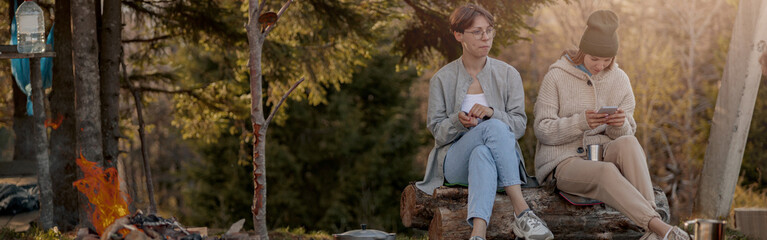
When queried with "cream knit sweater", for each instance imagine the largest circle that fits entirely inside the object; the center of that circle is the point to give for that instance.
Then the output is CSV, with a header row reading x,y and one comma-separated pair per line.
x,y
560,120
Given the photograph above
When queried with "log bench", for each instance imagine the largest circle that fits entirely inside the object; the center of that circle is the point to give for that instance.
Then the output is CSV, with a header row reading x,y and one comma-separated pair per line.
x,y
443,214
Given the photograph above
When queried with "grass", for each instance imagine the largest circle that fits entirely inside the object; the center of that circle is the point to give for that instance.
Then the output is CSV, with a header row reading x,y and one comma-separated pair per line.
x,y
420,235
732,234
298,233
34,233
748,196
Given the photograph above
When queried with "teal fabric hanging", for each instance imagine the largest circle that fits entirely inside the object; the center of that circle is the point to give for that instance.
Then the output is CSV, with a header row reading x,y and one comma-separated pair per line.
x,y
20,66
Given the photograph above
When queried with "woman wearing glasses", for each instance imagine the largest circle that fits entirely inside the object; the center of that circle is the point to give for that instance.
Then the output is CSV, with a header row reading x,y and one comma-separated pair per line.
x,y
566,123
476,114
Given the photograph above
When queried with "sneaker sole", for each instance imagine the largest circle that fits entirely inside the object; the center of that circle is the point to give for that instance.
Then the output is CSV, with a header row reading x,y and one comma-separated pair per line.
x,y
518,236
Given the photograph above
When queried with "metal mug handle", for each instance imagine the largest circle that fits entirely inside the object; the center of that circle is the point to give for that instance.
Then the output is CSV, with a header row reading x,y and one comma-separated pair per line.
x,y
688,222
693,222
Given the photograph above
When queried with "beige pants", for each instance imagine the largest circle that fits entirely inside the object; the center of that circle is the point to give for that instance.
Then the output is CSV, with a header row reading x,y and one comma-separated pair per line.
x,y
621,180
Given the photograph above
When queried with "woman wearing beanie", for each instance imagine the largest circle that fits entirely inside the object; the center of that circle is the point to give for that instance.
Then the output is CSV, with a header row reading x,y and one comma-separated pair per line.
x,y
566,122
476,114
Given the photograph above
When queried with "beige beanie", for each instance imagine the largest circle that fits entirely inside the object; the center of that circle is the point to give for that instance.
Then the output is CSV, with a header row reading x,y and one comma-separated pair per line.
x,y
600,38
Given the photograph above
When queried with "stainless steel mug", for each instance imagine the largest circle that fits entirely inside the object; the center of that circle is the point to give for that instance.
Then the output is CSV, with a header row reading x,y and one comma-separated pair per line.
x,y
594,152
707,229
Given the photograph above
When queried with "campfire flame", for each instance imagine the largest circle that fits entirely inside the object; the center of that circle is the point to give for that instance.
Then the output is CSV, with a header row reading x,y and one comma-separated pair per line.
x,y
102,187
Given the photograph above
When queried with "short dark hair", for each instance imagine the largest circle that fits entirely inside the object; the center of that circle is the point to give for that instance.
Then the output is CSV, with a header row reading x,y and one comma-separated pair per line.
x,y
463,17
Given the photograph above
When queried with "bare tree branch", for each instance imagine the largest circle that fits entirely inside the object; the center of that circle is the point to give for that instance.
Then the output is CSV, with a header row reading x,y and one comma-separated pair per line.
x,y
190,92
140,40
160,90
279,14
277,107
150,76
261,7
667,145
139,9
141,133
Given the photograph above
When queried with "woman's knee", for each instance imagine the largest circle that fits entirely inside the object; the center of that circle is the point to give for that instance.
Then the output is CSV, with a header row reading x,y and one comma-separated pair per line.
x,y
628,141
481,152
628,146
493,126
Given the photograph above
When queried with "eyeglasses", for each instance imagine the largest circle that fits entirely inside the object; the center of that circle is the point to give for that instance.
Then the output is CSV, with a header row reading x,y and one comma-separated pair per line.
x,y
478,33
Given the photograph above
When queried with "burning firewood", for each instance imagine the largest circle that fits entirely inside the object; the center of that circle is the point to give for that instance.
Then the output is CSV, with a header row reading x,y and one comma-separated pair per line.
x,y
145,227
86,234
117,225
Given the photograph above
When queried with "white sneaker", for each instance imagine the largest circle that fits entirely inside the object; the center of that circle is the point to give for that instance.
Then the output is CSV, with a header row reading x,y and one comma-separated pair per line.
x,y
529,226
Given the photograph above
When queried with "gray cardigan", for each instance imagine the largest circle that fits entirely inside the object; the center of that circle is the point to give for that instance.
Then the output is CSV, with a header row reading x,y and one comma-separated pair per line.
x,y
503,90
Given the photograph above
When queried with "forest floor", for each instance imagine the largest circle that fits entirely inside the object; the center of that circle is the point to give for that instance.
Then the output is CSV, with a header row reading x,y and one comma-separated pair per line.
x,y
277,234
34,233
21,226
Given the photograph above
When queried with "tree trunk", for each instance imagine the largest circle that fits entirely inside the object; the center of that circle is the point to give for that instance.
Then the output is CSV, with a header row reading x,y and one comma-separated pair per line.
x,y
40,140
22,126
63,141
145,159
733,112
256,43
109,72
444,214
86,72
256,37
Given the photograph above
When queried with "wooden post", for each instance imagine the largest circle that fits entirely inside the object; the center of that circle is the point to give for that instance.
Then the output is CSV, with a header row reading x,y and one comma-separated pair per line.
x,y
39,133
733,112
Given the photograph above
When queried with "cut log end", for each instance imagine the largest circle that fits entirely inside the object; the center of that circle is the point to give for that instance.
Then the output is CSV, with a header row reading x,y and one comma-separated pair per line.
x,y
435,227
407,205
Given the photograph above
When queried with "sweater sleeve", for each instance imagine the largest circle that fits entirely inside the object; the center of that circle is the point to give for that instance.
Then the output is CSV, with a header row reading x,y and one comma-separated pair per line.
x,y
513,113
550,128
445,128
628,105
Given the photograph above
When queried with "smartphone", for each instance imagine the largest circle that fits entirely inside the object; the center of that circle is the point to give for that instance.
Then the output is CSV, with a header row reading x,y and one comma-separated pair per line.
x,y
608,109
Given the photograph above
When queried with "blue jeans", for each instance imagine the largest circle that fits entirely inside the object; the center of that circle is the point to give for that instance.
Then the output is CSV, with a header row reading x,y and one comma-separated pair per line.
x,y
485,158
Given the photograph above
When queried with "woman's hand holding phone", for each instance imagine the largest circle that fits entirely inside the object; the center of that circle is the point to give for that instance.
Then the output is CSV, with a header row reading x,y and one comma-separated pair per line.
x,y
595,118
616,119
